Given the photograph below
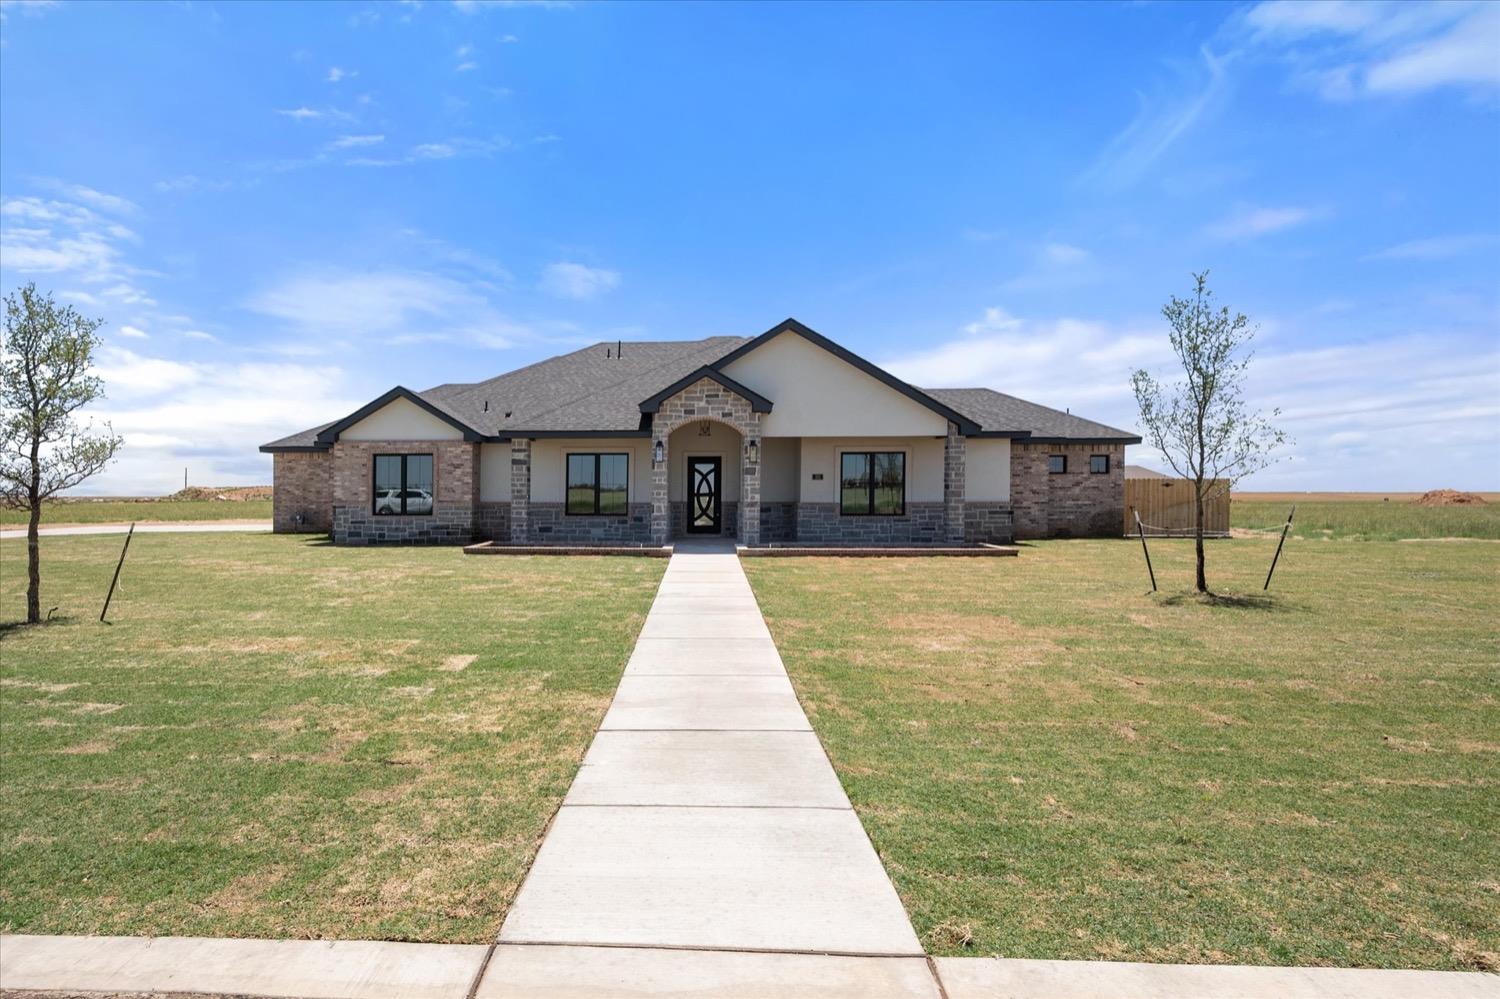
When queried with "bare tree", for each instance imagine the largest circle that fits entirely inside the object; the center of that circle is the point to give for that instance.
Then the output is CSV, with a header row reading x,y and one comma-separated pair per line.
x,y
1201,423
44,379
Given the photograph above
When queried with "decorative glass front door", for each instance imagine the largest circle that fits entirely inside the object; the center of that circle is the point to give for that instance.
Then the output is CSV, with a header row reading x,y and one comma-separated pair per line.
x,y
704,476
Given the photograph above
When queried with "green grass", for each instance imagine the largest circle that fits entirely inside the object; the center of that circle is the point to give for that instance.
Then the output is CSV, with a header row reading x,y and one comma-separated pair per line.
x,y
1369,521
125,511
275,737
1054,763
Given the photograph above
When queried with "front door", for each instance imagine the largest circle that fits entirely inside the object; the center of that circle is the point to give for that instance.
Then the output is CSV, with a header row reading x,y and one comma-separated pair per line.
x,y
704,478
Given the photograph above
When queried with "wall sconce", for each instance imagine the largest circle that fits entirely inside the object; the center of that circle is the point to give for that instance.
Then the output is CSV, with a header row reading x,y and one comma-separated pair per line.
x,y
753,452
659,452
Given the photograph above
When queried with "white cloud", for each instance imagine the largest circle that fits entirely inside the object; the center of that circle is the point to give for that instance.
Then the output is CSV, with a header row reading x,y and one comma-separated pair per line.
x,y
356,141
577,281
338,73
1249,221
467,66
1435,248
134,332
48,236
300,114
434,151
190,182
1064,254
110,204
199,335
391,306
1352,408
1348,50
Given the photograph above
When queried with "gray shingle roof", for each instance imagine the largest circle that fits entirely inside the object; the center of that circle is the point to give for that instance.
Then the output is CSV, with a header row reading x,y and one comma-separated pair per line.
x,y
998,412
597,390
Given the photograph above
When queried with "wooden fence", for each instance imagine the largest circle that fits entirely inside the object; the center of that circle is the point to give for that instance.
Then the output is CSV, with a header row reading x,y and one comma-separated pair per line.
x,y
1166,507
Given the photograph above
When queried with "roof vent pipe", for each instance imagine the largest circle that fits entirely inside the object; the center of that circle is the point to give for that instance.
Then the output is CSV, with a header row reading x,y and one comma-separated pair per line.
x,y
619,349
486,405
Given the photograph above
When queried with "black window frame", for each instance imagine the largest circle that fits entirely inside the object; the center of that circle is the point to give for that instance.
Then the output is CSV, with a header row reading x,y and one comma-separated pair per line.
x,y
869,457
1057,471
568,510
375,490
1098,471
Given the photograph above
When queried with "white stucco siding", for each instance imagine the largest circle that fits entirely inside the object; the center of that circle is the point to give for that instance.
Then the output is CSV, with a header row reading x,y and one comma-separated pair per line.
x,y
780,469
686,441
924,465
494,473
987,469
814,393
402,420
549,465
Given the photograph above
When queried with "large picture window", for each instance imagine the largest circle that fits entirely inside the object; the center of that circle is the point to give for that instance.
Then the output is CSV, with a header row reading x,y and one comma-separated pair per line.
x,y
872,483
599,484
403,484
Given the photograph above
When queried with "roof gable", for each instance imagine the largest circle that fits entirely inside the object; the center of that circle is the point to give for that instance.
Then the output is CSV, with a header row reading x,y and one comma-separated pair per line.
x,y
789,325
758,403
330,433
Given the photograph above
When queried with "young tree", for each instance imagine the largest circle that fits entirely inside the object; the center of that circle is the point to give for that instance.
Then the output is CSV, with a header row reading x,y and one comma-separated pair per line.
x,y
44,378
1201,423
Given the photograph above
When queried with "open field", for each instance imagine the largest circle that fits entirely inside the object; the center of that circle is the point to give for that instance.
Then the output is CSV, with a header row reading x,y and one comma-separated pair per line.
x,y
144,511
1054,763
1364,519
275,737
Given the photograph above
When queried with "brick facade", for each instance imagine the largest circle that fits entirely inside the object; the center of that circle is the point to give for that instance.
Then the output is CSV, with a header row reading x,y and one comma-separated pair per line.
x,y
1076,503
302,501
988,522
706,399
455,470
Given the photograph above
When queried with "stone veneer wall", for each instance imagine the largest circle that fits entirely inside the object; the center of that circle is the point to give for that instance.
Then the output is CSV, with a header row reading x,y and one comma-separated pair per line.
x,y
988,521
707,399
455,469
778,522
1076,503
821,523
551,524
492,521
302,497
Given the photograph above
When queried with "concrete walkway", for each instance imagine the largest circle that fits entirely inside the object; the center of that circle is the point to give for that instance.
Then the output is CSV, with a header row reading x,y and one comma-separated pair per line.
x,y
186,527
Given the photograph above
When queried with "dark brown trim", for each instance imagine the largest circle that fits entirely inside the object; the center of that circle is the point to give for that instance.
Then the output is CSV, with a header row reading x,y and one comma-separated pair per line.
x,y
295,448
758,403
965,425
1011,434
330,434
1096,441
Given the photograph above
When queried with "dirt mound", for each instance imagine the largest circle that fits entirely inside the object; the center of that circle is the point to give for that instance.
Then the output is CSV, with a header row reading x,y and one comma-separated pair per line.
x,y
233,494
1448,497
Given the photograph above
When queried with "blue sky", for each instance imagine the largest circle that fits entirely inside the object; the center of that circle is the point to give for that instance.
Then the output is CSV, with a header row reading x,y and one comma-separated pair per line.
x,y
282,210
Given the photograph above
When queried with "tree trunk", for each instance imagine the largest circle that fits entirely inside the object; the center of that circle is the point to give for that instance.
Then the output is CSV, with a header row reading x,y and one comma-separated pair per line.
x,y
1202,581
34,564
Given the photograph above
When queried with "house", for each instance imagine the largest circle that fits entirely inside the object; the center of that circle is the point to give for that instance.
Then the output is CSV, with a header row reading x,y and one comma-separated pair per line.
x,y
786,437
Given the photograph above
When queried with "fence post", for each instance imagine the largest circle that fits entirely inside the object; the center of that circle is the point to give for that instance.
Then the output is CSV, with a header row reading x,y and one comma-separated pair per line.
x,y
1141,528
1274,558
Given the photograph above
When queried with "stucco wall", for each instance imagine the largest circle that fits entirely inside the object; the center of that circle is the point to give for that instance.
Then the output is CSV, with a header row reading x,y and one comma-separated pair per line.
x,y
401,420
722,440
780,469
815,393
549,465
987,476
924,465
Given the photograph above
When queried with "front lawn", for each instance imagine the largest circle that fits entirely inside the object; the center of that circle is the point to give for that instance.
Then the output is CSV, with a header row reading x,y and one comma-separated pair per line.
x,y
274,737
1054,763
62,512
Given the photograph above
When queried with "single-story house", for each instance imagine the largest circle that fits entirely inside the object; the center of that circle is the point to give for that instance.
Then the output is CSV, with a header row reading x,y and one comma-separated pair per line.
x,y
786,437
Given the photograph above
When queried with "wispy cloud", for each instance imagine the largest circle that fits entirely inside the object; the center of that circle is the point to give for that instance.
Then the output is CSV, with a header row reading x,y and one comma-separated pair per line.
x,y
1159,124
464,59
478,6
190,182
427,152
1347,50
1064,254
356,141
1350,407
134,332
1249,221
577,281
1436,247
339,73
305,113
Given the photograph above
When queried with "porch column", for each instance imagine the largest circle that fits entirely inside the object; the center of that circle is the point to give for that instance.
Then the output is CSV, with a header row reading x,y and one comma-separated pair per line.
x,y
520,491
749,526
954,466
661,511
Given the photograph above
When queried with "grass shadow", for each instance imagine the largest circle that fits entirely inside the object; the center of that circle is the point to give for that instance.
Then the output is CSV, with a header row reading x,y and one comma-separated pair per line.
x,y
8,627
1247,601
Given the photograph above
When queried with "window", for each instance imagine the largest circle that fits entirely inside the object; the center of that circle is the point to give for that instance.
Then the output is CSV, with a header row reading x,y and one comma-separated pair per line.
x,y
403,484
1057,464
1098,464
598,484
872,483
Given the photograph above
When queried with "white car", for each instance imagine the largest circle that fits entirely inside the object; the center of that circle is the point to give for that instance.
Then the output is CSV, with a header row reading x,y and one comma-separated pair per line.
x,y
389,501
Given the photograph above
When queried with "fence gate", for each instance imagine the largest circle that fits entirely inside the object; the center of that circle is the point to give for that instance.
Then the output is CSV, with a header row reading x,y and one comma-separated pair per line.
x,y
1166,507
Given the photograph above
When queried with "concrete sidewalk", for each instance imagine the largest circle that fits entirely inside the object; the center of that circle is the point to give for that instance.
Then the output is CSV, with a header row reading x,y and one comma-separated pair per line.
x,y
188,527
706,816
